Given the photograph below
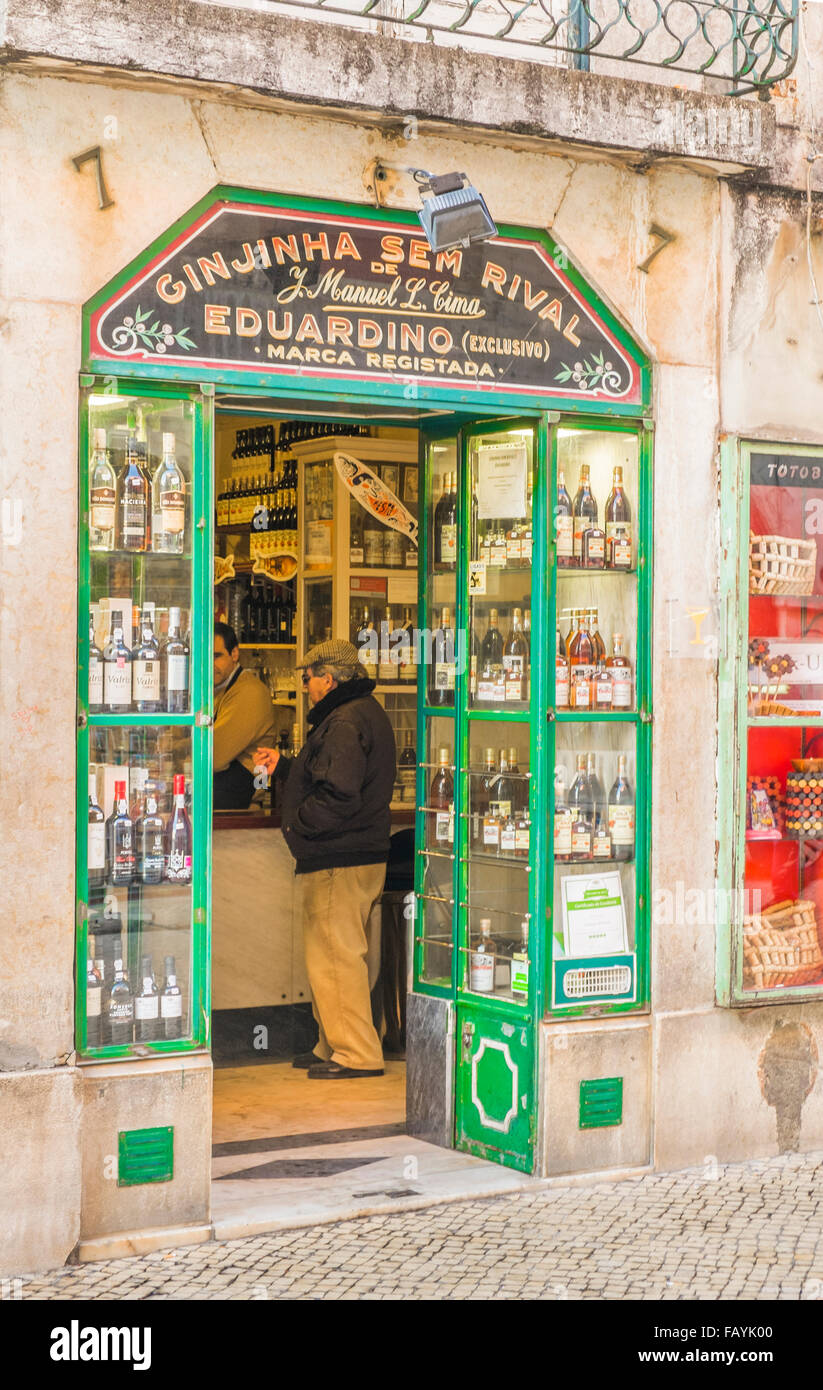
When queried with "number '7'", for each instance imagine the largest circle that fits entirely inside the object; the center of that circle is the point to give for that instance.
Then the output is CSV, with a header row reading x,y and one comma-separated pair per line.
x,y
96,154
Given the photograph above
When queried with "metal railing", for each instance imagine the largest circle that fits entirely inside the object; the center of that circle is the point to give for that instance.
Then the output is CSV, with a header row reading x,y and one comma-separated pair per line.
x,y
750,43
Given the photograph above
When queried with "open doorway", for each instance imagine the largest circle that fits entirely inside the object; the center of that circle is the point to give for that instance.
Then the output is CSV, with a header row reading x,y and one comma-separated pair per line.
x,y
298,561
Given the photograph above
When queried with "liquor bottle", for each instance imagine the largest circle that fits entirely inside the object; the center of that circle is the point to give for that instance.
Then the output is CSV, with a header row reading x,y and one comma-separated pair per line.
x,y
120,840
585,513
593,548
357,555
564,526
514,545
96,858
445,526
482,960
150,834
441,687
94,995
102,497
602,688
169,503
387,666
480,796
394,548
474,662
441,802
582,809
522,821
498,825
178,836
599,644
133,520
407,769
620,669
145,670
171,1004
176,660
366,643
618,525
408,664
221,509
116,669
373,541
520,963
581,666
491,680
120,1009
561,675
147,1006
96,668
601,840
516,661
621,813
562,819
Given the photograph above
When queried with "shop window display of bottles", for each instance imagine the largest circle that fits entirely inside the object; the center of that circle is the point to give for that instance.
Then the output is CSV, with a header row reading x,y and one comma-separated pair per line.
x,y
138,859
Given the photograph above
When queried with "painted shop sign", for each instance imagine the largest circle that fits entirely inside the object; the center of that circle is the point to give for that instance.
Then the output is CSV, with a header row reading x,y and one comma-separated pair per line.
x,y
293,291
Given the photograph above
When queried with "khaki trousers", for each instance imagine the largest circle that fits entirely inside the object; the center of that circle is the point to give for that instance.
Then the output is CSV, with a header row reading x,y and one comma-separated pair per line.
x,y
337,904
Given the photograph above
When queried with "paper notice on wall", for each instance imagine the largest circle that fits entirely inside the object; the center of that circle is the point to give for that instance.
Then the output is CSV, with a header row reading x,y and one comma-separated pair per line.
x,y
502,474
403,589
594,915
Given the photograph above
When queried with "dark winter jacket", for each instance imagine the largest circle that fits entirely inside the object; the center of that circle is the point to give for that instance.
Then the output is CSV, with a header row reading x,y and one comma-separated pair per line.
x,y
335,805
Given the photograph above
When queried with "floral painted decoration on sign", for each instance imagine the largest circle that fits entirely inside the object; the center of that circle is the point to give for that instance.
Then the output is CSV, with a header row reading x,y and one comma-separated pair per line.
x,y
594,375
155,336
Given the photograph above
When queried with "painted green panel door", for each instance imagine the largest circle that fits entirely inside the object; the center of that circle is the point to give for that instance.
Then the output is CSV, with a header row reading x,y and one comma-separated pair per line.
x,y
495,1087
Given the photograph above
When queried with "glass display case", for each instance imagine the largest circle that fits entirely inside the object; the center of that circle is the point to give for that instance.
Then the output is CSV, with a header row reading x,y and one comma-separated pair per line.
x,y
144,785
770,939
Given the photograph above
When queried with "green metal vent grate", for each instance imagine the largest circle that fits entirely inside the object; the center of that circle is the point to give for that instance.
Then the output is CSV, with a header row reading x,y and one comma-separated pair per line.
x,y
145,1155
601,1102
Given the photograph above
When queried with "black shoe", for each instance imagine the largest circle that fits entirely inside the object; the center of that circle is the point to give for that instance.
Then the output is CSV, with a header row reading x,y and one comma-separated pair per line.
x,y
306,1059
329,1071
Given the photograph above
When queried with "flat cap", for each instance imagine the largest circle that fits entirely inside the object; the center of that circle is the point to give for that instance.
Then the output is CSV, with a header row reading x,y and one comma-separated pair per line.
x,y
335,652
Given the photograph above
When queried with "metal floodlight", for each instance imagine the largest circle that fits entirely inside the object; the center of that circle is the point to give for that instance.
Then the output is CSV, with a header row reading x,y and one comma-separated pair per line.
x,y
453,212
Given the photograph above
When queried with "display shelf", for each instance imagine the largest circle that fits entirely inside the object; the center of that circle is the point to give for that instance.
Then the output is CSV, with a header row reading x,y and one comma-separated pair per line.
x,y
268,646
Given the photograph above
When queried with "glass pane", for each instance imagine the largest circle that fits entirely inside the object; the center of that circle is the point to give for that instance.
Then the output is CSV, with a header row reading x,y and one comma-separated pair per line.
x,y
436,907
595,518
498,815
373,545
441,581
140,561
595,792
502,470
318,514
141,862
401,707
783,876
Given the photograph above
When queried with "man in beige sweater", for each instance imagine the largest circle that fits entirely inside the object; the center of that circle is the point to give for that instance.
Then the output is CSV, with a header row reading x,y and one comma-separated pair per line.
x,y
243,721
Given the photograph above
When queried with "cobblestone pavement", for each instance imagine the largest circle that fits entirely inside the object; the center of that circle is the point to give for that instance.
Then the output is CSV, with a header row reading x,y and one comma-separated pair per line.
x,y
752,1230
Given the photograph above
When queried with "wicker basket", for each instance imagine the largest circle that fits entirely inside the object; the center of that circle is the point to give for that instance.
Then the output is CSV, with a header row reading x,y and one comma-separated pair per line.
x,y
781,946
781,565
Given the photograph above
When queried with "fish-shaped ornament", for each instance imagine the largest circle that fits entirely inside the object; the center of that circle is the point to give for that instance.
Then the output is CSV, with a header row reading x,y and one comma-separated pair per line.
x,y
372,494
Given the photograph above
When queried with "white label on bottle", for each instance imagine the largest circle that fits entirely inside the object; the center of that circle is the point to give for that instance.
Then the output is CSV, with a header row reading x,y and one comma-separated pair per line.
x,y
562,836
513,548
97,845
481,972
508,839
147,1006
602,847
581,843
102,508
411,559
173,511
491,832
603,692
448,543
178,863
95,681
171,1006
595,547
443,826
521,839
561,687
621,691
93,999
582,694
488,690
621,824
117,683
621,553
513,676
146,679
178,670
444,675
393,548
356,556
526,548
498,553
565,537
134,519
373,547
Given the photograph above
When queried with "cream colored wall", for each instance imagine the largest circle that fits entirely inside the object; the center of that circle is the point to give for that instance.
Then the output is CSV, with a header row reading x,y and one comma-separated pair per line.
x,y
161,154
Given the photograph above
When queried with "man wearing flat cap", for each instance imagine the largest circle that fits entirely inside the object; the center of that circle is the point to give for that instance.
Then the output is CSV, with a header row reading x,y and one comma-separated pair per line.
x,y
336,819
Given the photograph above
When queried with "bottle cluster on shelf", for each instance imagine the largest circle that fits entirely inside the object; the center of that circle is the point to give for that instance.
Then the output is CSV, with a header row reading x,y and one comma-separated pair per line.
x,y
585,677
375,546
499,667
267,505
498,815
406,785
498,964
134,510
386,647
259,610
116,1014
588,824
138,844
581,542
147,675
501,543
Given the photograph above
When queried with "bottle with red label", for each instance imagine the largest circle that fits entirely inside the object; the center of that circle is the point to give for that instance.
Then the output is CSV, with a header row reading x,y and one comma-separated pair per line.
x,y
178,837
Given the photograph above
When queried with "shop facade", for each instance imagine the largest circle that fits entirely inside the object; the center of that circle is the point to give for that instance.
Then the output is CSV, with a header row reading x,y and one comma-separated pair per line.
x,y
664,1060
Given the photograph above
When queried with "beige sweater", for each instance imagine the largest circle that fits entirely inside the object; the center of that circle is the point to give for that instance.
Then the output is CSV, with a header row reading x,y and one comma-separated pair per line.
x,y
243,721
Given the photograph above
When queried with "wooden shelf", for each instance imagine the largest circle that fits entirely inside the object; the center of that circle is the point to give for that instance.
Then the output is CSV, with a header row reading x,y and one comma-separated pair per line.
x,y
267,646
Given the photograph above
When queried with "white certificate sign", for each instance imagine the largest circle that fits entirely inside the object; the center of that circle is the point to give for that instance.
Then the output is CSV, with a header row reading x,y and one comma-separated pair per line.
x,y
502,473
594,915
